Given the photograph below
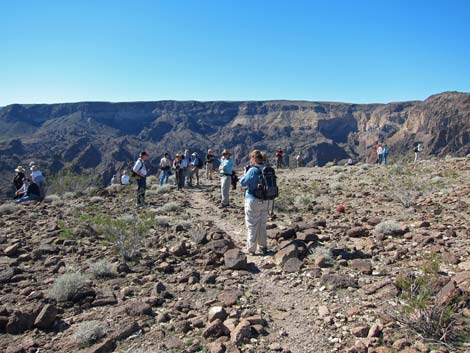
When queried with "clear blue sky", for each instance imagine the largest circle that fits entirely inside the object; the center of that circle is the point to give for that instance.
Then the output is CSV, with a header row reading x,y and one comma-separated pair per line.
x,y
353,51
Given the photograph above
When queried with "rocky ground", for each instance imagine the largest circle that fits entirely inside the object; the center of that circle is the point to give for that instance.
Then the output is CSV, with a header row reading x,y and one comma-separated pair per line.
x,y
354,250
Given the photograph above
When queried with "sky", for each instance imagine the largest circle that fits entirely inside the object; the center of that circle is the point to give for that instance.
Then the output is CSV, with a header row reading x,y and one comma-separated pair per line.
x,y
359,51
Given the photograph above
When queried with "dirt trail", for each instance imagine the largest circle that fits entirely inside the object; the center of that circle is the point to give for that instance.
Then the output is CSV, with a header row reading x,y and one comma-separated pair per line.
x,y
287,303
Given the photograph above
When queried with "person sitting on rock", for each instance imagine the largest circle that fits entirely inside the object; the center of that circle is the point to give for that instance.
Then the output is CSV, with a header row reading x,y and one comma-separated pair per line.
x,y
256,210
32,192
18,179
114,180
38,179
125,178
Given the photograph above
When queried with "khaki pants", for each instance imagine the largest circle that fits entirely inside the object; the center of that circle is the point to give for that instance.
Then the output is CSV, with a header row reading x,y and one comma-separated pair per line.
x,y
196,175
225,182
209,169
256,217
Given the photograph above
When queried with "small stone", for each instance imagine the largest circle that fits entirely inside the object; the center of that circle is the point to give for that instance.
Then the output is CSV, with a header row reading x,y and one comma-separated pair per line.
x,y
217,313
360,331
11,250
242,333
234,259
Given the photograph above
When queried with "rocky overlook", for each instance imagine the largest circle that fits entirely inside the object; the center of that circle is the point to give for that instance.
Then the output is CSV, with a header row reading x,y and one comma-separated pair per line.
x,y
103,137
354,266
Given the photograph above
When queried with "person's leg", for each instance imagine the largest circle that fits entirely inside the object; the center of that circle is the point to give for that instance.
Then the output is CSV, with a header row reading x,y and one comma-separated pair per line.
x,y
226,181
167,176
181,180
162,177
385,159
252,220
140,190
197,176
262,233
416,156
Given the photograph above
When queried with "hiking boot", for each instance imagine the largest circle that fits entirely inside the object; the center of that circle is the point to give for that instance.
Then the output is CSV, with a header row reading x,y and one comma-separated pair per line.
x,y
264,251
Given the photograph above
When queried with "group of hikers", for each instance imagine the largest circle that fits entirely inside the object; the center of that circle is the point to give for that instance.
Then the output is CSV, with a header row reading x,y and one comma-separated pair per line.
x,y
31,187
259,180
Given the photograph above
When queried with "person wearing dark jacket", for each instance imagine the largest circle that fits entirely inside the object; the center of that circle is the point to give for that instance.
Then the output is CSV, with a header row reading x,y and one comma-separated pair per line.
x,y
18,180
33,193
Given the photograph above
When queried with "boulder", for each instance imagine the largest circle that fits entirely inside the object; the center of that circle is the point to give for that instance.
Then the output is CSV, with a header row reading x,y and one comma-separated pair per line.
x,y
242,333
357,232
292,265
46,317
234,259
285,253
363,266
217,313
337,281
219,247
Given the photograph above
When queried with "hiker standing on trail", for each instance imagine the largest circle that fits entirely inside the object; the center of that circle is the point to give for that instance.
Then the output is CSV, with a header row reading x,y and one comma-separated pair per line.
x,y
299,159
165,166
140,173
385,151
186,165
279,156
417,150
379,151
179,177
209,164
226,170
256,210
19,177
197,165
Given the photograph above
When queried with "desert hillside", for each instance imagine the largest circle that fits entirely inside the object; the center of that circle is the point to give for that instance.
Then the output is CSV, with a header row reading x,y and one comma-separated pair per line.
x,y
101,138
362,259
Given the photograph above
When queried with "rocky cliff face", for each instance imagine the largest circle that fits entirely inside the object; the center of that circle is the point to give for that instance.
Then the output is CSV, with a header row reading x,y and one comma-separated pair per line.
x,y
106,136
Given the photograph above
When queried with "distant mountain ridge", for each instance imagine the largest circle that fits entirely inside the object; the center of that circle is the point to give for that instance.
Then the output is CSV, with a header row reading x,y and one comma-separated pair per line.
x,y
105,136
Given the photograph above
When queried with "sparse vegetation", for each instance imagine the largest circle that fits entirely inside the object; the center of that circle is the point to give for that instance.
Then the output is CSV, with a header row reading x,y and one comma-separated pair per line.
x,y
88,332
102,269
420,310
54,199
388,228
66,181
7,208
67,285
169,207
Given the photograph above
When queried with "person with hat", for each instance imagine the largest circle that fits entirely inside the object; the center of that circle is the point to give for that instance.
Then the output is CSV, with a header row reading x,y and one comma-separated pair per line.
x,y
165,166
209,164
18,179
186,166
140,173
226,170
179,177
38,179
197,165
256,210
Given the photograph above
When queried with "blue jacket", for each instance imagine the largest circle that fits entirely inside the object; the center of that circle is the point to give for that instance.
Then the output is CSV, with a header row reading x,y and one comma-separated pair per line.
x,y
251,180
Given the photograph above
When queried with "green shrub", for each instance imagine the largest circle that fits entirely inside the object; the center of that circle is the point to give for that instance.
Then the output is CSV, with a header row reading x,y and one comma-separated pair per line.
x,y
169,207
66,181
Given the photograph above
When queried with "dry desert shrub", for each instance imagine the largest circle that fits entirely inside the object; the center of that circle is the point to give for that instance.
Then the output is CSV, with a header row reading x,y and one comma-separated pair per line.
x,y
102,269
67,285
88,332
7,208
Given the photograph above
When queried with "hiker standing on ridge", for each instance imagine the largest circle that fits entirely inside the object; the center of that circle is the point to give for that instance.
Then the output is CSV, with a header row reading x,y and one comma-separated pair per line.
x,y
259,198
279,156
179,177
197,165
186,165
165,166
385,151
226,170
417,150
140,173
209,164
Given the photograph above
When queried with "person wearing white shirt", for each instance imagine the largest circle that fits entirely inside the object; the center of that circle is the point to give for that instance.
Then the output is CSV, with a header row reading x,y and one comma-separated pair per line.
x,y
124,178
140,171
186,166
165,166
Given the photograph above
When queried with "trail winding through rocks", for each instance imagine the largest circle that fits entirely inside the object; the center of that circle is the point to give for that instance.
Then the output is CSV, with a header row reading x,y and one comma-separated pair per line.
x,y
288,304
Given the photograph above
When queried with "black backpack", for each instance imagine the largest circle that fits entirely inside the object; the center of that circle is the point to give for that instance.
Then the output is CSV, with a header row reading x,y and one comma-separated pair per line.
x,y
199,163
267,187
